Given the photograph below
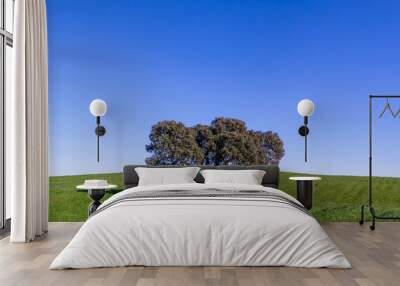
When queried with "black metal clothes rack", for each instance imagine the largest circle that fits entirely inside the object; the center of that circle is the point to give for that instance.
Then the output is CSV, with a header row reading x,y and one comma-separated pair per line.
x,y
370,203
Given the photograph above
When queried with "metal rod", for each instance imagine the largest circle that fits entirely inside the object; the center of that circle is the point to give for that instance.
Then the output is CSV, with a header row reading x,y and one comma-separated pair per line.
x,y
305,138
98,137
370,153
98,143
384,96
305,147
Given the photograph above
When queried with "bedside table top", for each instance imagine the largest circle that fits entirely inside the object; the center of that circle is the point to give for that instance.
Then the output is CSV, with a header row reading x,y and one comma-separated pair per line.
x,y
305,178
86,187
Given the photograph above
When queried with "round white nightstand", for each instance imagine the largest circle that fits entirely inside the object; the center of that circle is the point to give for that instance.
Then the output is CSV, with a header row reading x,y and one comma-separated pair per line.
x,y
305,190
96,193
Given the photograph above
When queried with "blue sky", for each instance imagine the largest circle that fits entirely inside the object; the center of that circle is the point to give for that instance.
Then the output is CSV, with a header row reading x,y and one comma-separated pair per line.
x,y
194,60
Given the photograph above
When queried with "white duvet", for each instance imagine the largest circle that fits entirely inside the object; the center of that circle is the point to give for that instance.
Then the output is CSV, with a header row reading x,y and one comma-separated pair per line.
x,y
200,231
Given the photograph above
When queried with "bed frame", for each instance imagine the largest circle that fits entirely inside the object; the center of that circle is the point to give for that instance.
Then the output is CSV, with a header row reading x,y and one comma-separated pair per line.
x,y
270,179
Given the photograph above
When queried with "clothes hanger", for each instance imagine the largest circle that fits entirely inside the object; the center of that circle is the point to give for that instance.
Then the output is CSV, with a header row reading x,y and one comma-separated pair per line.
x,y
397,113
387,107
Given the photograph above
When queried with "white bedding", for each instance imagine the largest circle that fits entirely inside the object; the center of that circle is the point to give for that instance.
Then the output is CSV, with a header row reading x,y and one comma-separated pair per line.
x,y
200,231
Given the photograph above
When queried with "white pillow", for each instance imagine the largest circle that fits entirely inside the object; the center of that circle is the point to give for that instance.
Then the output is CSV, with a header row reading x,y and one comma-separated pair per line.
x,y
166,176
248,177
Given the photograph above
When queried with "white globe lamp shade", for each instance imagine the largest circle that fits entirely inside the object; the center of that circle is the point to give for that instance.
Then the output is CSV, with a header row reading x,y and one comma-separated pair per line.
x,y
305,107
98,107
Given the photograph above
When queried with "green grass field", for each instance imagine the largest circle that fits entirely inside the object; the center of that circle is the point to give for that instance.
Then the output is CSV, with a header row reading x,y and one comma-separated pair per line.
x,y
336,198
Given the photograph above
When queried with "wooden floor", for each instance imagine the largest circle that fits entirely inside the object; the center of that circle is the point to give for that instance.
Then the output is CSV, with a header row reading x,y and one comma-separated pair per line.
x,y
375,257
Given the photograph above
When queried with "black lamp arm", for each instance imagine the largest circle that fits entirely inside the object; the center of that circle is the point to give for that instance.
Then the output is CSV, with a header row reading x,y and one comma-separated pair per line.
x,y
100,131
305,138
98,137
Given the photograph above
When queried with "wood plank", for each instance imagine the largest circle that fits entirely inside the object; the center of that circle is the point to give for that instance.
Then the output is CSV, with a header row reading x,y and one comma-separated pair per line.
x,y
375,257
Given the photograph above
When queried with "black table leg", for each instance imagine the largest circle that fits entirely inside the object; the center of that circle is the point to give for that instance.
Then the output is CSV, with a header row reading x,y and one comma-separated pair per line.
x,y
96,195
305,193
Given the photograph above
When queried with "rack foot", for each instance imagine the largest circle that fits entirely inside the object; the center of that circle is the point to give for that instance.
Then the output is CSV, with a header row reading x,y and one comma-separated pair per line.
x,y
373,214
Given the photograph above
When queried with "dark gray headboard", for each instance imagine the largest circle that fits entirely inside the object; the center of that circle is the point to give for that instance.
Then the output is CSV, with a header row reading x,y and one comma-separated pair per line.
x,y
271,177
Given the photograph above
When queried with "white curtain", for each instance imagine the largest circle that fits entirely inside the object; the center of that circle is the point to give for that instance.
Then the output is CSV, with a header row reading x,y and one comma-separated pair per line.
x,y
26,123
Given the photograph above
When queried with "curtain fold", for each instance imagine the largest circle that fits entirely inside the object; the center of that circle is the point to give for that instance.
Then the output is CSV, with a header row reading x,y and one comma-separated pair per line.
x,y
28,123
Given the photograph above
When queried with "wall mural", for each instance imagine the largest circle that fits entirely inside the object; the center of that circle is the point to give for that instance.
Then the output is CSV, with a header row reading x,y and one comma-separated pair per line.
x,y
205,82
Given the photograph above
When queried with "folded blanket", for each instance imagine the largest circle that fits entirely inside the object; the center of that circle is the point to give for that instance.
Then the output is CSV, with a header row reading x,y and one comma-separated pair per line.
x,y
206,193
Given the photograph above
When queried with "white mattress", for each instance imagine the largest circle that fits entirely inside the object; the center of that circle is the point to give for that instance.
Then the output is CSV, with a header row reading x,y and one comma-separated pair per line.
x,y
202,232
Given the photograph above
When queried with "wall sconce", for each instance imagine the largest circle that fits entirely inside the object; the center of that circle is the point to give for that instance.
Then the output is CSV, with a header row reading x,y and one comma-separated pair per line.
x,y
98,108
305,109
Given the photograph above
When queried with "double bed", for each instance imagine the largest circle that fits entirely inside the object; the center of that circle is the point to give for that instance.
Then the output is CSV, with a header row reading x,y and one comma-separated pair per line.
x,y
201,224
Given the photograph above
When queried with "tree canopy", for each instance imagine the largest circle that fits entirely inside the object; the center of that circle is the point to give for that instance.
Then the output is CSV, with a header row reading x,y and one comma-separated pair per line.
x,y
226,141
173,144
